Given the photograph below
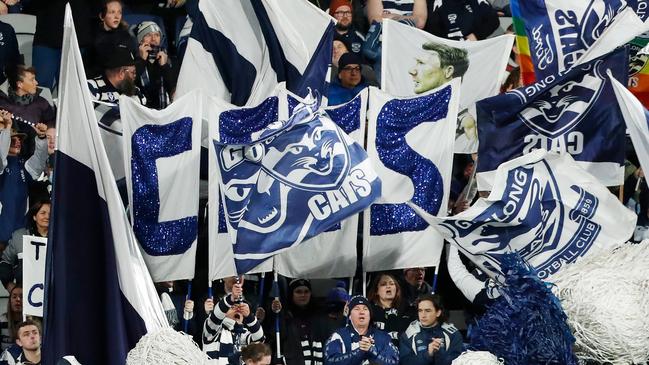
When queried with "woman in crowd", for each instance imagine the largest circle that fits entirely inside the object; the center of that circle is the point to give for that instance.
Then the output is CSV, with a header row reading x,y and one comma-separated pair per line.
x,y
111,32
10,319
387,307
430,340
11,268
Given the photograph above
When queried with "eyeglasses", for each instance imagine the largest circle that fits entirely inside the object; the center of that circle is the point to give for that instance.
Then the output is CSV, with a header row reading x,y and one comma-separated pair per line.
x,y
129,70
343,13
352,68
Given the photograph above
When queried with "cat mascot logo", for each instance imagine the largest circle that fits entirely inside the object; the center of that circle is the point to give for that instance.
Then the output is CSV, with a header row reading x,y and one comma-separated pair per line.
x,y
293,180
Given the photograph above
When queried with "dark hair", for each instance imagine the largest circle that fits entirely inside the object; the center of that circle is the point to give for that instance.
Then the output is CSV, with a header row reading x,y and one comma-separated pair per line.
x,y
13,317
373,293
104,6
17,74
450,56
436,299
33,210
26,323
255,351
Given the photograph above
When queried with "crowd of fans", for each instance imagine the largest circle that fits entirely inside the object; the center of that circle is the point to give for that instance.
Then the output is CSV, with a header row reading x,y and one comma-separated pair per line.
x,y
400,321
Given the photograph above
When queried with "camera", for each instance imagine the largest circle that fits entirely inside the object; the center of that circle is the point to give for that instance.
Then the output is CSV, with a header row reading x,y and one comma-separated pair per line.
x,y
153,53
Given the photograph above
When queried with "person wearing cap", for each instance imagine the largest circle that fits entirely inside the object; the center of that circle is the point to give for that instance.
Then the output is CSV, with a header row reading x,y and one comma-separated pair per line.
x,y
430,340
302,326
118,78
340,47
16,173
350,81
155,74
230,326
342,11
359,342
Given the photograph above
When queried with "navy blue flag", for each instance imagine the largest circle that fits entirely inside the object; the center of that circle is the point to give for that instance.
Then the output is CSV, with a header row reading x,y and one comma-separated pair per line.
x,y
288,181
95,275
575,113
240,50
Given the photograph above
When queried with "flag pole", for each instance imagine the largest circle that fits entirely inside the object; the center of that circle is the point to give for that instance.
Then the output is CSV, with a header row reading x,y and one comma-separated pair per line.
x,y
434,286
277,338
364,284
260,300
189,295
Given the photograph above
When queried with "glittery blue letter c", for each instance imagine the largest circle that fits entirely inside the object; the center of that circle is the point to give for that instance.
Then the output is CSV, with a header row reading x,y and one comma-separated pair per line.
x,y
150,143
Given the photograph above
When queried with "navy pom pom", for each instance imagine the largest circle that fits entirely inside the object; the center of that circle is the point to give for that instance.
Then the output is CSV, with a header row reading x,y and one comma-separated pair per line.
x,y
526,324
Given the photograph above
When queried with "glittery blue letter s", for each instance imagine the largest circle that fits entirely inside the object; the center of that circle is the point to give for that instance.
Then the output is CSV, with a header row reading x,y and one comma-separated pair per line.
x,y
150,143
396,119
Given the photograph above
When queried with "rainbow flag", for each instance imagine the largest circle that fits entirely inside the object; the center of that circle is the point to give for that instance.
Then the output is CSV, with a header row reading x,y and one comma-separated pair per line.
x,y
523,45
639,68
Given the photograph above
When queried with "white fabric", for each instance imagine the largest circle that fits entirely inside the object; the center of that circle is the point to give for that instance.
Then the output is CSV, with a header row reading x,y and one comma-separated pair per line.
x,y
410,248
178,176
543,206
402,47
78,137
33,257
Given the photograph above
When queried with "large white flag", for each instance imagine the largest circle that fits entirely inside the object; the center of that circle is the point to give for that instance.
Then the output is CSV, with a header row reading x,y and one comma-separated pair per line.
x,y
410,141
162,161
332,253
95,275
545,207
414,61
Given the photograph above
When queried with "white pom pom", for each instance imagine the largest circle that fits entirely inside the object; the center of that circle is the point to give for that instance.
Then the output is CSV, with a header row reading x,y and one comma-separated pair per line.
x,y
477,358
606,299
167,346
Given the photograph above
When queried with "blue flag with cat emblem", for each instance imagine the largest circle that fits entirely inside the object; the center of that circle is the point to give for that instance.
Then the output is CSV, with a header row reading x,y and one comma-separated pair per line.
x,y
288,181
575,113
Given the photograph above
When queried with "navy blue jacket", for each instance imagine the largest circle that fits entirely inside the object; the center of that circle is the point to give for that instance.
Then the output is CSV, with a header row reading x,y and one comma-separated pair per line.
x,y
343,349
413,344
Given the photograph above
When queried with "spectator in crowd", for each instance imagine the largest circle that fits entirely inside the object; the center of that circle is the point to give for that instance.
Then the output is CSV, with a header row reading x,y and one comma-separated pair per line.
x,y
230,326
413,12
9,53
302,328
155,74
349,83
359,342
48,38
437,65
111,32
388,313
335,304
470,20
340,47
23,100
9,320
118,78
415,284
430,340
11,265
16,173
256,354
342,11
28,338
177,307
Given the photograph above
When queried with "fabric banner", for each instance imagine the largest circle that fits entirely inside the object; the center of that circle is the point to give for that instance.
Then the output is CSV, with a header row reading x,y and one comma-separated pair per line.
x,y
162,162
574,113
639,68
410,142
110,130
288,181
522,45
34,253
92,256
560,32
331,254
414,61
636,118
543,206
239,50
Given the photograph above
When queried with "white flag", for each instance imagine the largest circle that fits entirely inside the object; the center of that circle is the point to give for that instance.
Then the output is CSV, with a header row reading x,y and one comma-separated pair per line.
x,y
545,207
414,61
410,142
162,162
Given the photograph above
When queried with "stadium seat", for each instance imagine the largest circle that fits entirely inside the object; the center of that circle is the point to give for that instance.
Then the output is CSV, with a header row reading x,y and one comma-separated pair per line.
x,y
25,26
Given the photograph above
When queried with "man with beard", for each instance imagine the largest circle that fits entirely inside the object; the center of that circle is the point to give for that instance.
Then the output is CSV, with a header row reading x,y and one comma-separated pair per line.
x,y
342,11
118,78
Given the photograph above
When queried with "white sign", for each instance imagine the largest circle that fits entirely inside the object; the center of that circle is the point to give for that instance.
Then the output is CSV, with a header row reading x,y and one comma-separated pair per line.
x,y
34,250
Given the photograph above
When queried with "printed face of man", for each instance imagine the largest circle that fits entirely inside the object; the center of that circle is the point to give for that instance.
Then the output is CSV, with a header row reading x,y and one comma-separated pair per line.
x,y
428,72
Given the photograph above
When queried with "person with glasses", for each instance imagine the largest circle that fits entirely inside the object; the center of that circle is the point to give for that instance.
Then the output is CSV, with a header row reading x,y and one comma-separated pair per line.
x,y
345,30
350,81
118,78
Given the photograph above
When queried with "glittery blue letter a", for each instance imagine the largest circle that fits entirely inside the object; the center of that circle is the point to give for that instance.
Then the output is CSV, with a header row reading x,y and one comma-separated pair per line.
x,y
150,143
396,119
